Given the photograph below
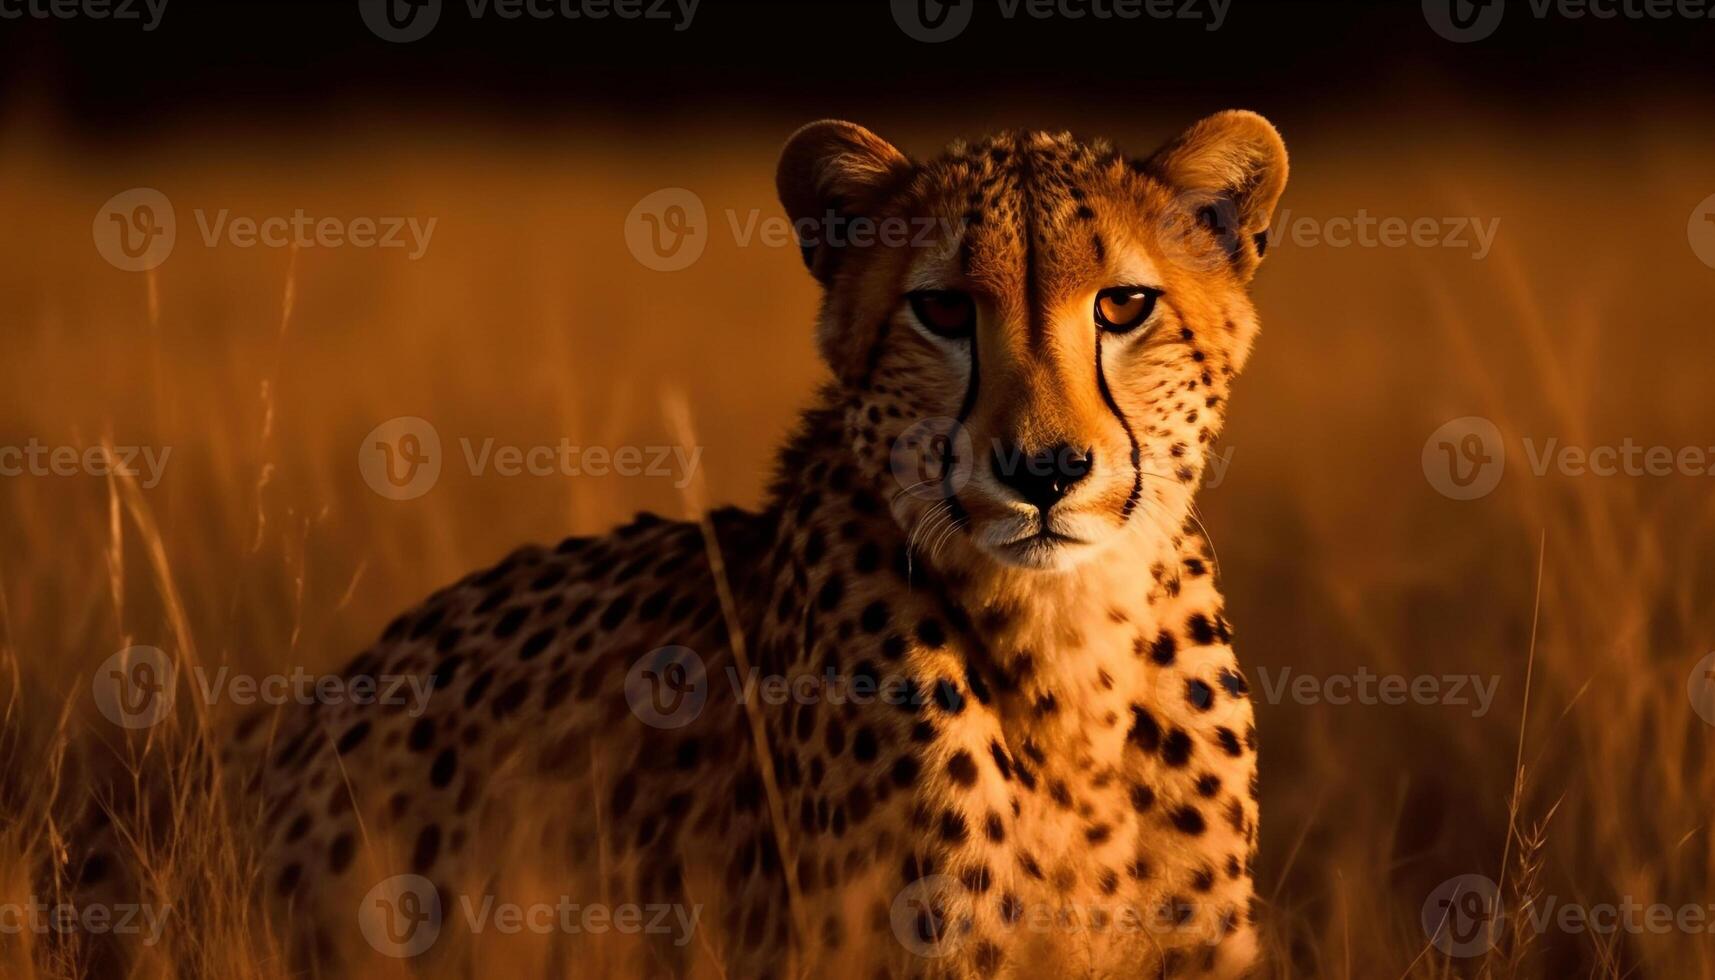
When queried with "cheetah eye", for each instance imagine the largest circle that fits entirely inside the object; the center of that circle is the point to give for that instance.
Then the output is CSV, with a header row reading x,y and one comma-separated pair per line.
x,y
944,312
1121,308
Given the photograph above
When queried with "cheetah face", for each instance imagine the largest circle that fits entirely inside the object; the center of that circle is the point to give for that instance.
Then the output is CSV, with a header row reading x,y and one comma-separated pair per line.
x,y
1035,336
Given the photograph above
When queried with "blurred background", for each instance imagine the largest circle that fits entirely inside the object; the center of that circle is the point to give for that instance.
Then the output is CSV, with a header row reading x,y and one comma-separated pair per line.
x,y
1552,292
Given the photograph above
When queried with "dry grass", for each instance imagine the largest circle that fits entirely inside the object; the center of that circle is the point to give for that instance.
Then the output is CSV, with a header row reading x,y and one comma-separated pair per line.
x,y
528,321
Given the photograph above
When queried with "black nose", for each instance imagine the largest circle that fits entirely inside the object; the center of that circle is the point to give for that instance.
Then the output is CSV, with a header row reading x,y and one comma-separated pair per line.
x,y
1044,476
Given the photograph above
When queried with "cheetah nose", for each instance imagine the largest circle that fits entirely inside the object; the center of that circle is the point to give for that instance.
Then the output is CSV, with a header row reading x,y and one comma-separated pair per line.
x,y
1044,476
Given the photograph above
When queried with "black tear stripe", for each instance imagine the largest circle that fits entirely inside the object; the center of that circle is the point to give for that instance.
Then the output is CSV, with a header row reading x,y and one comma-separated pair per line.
x,y
1131,500
952,496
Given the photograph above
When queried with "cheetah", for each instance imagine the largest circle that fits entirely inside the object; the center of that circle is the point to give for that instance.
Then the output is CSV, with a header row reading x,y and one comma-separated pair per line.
x,y
1008,734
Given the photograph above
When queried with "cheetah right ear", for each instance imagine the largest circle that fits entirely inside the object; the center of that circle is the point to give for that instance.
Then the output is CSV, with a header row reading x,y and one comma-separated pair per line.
x,y
829,173
1231,168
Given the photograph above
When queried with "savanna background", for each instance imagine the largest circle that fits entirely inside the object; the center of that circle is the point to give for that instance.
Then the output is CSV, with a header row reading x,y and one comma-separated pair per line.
x,y
528,320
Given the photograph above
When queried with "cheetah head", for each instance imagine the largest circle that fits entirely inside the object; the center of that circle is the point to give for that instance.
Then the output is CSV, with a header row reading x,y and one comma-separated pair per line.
x,y
1034,337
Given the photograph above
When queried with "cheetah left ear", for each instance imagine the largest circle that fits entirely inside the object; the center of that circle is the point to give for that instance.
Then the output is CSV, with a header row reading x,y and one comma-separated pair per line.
x,y
829,173
1231,167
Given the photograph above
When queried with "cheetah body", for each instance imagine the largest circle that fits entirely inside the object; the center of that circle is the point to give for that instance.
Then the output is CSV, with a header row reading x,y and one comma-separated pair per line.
x,y
991,762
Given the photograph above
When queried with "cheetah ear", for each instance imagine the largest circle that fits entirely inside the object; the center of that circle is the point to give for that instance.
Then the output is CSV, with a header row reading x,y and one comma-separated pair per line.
x,y
1231,168
829,173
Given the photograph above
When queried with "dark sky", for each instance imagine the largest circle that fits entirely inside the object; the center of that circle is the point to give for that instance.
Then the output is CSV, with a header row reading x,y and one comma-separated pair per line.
x,y
213,61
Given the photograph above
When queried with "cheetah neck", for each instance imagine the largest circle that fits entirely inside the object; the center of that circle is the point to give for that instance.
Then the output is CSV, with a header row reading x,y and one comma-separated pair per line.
x,y
1068,651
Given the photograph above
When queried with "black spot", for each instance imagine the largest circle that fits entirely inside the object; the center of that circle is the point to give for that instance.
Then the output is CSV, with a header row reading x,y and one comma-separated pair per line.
x,y
444,672
428,848
1199,695
962,768
1200,629
1145,733
1234,682
340,853
445,764
616,611
1189,820
868,558
1000,760
953,827
685,756
1229,742
874,618
510,622
1164,649
893,647
930,633
1176,748
289,875
353,737
948,697
537,642
979,687
1142,797
863,745
904,771
832,591
478,687
1208,784
422,735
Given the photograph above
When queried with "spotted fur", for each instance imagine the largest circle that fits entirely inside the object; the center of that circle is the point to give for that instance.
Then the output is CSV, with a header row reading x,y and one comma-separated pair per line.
x,y
1067,728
